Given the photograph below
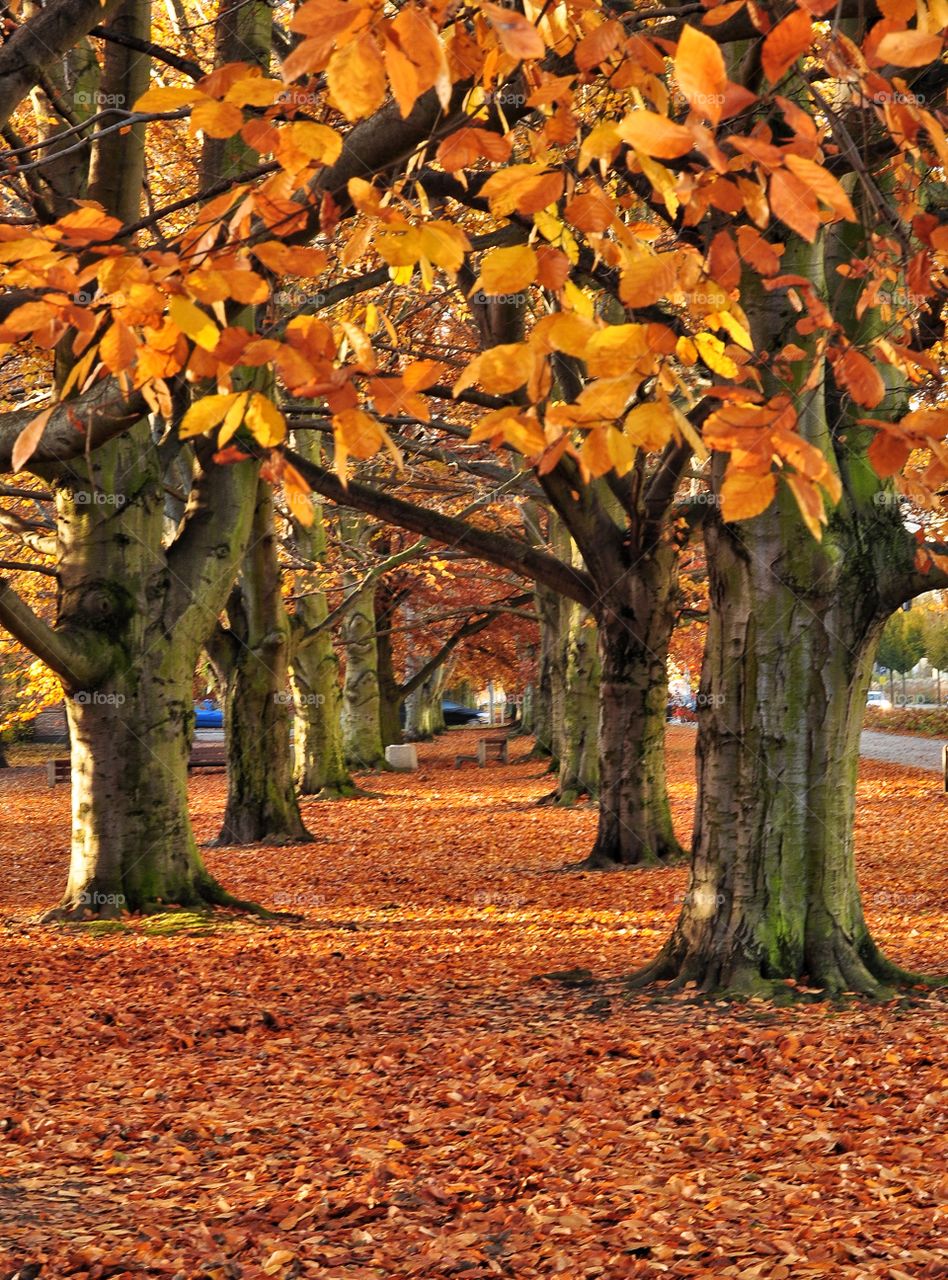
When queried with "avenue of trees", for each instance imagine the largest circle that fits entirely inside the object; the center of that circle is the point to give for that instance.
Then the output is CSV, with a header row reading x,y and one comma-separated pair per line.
x,y
305,304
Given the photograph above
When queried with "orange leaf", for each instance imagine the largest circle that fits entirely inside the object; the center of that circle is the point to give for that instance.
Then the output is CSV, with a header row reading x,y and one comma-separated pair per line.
x,y
909,48
700,72
656,135
356,77
27,441
888,453
518,36
794,204
860,377
596,45
745,494
788,40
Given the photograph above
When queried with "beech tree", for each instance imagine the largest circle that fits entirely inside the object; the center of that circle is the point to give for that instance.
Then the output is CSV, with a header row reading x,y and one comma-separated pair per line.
x,y
670,235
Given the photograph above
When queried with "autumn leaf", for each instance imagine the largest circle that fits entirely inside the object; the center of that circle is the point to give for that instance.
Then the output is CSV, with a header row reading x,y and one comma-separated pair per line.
x,y
700,72
191,320
28,440
860,377
506,271
518,36
503,368
909,48
356,77
207,412
785,43
656,135
745,494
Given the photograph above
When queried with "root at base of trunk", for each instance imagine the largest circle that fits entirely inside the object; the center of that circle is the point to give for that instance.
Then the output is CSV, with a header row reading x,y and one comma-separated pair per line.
x,y
835,967
205,894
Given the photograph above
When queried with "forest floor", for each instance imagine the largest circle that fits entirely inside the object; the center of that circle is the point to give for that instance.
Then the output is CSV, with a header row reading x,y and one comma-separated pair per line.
x,y
400,1085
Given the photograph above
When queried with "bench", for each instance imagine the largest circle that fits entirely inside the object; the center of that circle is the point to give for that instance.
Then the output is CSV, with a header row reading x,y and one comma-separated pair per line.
x,y
208,755
492,748
58,771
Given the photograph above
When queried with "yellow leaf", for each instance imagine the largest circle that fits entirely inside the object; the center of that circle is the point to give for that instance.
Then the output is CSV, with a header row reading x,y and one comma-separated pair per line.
x,y
711,350
700,72
167,99
356,77
444,244
650,426
264,421
508,270
745,494
207,413
191,320
217,119
502,369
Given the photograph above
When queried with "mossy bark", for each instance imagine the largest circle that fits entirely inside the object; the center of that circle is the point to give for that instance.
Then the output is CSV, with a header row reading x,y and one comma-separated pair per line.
x,y
250,655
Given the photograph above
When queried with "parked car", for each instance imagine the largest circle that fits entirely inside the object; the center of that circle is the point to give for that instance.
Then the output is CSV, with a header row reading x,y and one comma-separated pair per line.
x,y
208,715
454,713
876,698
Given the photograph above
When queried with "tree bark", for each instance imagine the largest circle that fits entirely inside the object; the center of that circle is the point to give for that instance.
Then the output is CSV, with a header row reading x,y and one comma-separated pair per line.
x,y
635,826
136,632
361,731
319,762
251,661
579,746
792,634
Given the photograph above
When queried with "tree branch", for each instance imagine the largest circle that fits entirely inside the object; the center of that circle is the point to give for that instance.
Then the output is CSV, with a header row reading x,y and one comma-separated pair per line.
x,y
42,39
495,548
74,660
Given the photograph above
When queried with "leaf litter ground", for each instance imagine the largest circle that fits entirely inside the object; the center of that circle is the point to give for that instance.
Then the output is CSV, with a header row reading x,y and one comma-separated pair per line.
x,y
392,1088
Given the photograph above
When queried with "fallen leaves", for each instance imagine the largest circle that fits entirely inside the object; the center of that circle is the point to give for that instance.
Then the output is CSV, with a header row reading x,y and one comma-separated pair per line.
x,y
393,1088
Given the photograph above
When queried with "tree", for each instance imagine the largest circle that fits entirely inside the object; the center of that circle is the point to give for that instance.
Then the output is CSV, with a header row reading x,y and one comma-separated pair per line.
x,y
901,645
935,629
661,269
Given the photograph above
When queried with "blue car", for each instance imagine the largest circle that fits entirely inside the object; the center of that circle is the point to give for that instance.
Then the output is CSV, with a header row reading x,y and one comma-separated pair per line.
x,y
208,715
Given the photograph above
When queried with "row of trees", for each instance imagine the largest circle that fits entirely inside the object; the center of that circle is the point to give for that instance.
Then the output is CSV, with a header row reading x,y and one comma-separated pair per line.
x,y
630,272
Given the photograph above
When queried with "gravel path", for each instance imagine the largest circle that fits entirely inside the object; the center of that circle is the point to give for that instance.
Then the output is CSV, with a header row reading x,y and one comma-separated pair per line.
x,y
893,748
896,748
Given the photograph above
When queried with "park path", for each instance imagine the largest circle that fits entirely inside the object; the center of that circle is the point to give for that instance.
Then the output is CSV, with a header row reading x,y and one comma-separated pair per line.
x,y
897,748
900,748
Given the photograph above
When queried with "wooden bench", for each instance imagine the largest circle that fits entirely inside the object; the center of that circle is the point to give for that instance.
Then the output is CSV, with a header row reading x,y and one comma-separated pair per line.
x,y
58,771
208,755
492,748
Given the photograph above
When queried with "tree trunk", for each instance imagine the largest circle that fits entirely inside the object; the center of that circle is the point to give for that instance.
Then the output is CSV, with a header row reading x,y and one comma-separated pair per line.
x,y
319,763
141,627
361,729
635,826
390,693
251,660
792,633
579,747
